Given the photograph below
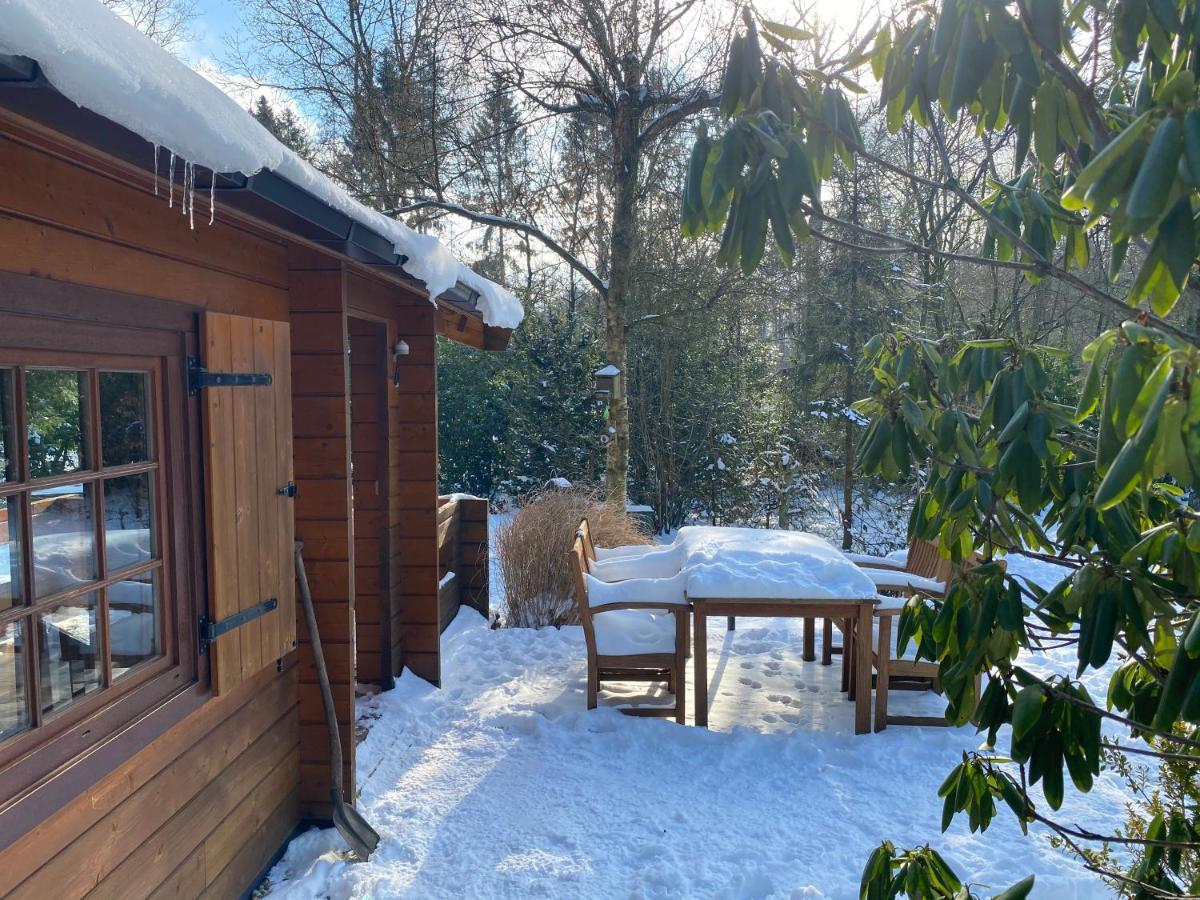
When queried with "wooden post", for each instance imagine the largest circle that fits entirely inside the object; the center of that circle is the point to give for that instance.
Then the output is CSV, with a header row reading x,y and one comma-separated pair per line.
x,y
862,669
847,652
700,662
881,672
473,553
413,525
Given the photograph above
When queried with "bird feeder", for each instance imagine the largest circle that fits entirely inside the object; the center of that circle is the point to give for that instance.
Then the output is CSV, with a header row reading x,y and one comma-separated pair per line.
x,y
606,382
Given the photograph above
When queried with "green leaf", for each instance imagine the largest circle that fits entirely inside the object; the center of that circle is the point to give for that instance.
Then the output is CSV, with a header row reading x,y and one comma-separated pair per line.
x,y
971,66
1027,710
1183,671
779,225
754,231
1152,187
787,32
1045,124
1191,143
1104,160
731,92
1018,891
1125,471
1045,23
1178,236
1167,15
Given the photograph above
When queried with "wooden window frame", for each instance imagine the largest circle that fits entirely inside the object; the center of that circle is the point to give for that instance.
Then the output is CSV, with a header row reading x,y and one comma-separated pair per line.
x,y
158,343
43,725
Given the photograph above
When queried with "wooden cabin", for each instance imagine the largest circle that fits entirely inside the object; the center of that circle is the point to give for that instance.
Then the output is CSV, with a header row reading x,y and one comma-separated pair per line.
x,y
180,400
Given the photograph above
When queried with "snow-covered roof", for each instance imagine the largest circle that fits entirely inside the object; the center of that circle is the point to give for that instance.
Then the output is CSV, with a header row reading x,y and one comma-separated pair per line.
x,y
103,64
609,371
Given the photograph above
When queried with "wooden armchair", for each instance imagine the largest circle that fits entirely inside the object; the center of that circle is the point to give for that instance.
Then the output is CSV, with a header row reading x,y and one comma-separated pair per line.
x,y
584,533
929,574
659,654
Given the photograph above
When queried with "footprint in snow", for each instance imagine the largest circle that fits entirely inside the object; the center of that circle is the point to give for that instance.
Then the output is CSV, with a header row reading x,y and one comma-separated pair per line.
x,y
749,682
747,665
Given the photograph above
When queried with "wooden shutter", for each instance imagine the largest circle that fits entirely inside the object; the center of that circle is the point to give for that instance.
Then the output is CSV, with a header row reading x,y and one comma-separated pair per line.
x,y
248,460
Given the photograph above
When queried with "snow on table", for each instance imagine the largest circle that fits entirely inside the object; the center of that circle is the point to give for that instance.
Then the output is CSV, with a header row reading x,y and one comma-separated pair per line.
x,y
753,563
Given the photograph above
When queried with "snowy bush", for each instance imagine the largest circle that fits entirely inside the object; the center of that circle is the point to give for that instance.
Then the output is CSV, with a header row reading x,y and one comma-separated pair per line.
x,y
532,550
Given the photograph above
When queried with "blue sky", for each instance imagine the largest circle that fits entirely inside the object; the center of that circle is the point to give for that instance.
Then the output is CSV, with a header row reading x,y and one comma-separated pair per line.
x,y
214,20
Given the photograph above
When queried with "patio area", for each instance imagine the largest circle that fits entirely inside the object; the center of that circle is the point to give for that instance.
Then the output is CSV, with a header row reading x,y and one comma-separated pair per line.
x,y
503,785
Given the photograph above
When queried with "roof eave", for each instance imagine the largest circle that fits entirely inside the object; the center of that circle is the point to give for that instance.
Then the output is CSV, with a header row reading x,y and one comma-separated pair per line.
x,y
264,196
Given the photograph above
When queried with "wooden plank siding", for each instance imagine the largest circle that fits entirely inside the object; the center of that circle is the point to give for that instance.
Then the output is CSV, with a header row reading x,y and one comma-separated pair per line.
x,y
473,576
462,557
66,216
412,575
323,510
127,835
168,809
368,414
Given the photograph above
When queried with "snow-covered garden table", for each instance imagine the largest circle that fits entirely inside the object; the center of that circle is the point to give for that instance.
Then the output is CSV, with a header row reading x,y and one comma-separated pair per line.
x,y
754,572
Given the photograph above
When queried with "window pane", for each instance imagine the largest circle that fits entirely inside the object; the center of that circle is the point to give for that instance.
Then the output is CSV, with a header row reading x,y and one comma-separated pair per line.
x,y
10,552
69,652
124,417
8,427
14,713
64,539
128,519
133,621
57,407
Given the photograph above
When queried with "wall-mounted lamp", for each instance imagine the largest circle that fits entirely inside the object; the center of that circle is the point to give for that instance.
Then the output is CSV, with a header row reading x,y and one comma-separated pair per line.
x,y
401,349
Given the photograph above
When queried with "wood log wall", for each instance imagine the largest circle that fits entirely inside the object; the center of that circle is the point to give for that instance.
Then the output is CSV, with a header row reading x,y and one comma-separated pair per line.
x,y
324,514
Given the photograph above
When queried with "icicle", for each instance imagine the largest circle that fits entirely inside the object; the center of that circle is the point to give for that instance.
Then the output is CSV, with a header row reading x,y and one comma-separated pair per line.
x,y
212,198
171,180
156,170
183,181
192,197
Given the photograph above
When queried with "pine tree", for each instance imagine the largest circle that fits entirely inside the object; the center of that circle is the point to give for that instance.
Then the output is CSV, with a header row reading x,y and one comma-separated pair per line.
x,y
285,125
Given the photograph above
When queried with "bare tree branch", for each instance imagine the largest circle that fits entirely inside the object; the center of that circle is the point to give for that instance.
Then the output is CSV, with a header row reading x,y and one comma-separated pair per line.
x,y
512,225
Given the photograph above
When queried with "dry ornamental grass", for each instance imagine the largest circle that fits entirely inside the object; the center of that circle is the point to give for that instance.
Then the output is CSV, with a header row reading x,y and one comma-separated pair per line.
x,y
533,545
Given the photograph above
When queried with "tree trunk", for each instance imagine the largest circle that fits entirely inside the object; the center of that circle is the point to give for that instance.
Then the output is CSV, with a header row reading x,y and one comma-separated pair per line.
x,y
622,244
849,449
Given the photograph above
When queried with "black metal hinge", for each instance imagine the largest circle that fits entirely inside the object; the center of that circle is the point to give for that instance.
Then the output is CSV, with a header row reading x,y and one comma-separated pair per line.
x,y
210,630
199,377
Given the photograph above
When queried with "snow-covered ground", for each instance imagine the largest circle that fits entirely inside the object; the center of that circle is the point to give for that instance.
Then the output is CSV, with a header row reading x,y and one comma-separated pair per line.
x,y
502,784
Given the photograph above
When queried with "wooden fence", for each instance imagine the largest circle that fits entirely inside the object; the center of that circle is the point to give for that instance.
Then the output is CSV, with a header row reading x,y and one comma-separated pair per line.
x,y
462,556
